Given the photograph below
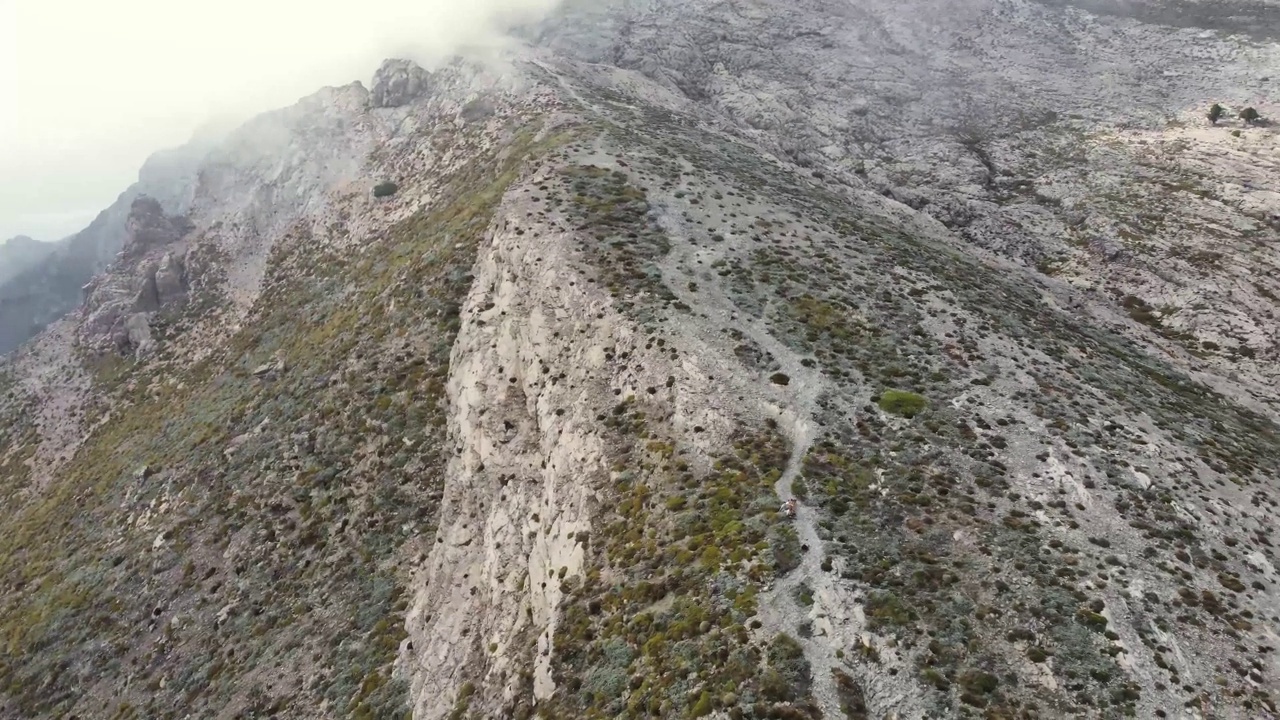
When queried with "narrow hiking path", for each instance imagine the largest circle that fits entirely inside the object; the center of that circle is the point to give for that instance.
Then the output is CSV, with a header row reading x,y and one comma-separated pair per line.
x,y
830,618
782,608
827,617
795,407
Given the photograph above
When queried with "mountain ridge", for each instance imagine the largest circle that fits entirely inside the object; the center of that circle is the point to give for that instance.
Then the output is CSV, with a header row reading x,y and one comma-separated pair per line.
x,y
511,440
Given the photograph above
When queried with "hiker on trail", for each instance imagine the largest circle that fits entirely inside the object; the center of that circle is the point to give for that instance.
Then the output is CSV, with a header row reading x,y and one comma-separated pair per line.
x,y
790,507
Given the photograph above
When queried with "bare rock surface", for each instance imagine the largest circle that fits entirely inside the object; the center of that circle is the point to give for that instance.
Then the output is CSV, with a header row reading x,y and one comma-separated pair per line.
x,y
147,276
399,82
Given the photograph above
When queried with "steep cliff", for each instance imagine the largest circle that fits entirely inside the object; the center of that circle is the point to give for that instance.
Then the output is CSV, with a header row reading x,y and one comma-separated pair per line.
x,y
508,438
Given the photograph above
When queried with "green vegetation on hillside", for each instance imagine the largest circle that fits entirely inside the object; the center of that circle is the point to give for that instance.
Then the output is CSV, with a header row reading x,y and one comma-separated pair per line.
x,y
254,567
901,402
662,622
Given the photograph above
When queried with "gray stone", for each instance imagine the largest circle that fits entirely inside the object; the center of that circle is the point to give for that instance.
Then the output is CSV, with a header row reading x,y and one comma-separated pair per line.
x,y
147,277
399,82
269,369
170,278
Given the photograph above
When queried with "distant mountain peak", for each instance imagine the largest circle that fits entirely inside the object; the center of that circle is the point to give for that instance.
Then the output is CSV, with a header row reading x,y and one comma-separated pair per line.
x,y
20,253
21,241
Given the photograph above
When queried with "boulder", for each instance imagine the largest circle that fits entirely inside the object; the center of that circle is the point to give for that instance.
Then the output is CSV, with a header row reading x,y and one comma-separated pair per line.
x,y
170,280
269,369
399,82
138,331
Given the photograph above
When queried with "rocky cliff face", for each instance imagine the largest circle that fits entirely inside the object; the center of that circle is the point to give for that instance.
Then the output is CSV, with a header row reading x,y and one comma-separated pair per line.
x,y
398,82
149,275
512,440
44,291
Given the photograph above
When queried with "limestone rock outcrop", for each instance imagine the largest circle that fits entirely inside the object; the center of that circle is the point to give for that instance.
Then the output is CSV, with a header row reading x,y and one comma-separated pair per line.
x,y
399,82
149,275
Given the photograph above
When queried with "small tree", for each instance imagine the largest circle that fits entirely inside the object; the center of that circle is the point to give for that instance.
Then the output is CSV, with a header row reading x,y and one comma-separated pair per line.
x,y
384,189
1250,116
1215,113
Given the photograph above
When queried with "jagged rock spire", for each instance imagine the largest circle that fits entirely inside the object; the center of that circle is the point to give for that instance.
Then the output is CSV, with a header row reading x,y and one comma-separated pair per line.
x,y
398,82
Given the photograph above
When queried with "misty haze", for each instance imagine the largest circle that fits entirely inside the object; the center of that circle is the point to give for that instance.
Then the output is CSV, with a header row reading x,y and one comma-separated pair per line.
x,y
92,89
728,359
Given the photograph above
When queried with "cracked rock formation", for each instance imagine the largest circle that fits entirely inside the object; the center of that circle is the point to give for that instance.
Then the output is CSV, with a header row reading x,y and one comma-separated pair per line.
x,y
398,82
148,276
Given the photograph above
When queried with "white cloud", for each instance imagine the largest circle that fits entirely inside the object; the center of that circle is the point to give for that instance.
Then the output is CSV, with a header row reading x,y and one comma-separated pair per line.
x,y
89,89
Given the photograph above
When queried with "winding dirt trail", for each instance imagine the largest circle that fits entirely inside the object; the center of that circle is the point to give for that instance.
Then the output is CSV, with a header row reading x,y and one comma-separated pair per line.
x,y
795,407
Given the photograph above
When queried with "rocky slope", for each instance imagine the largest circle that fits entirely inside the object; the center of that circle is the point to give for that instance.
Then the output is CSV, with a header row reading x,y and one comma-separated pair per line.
x,y
983,291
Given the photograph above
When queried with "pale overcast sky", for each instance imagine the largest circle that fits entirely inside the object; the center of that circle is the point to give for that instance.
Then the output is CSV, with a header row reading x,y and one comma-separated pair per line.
x,y
89,88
